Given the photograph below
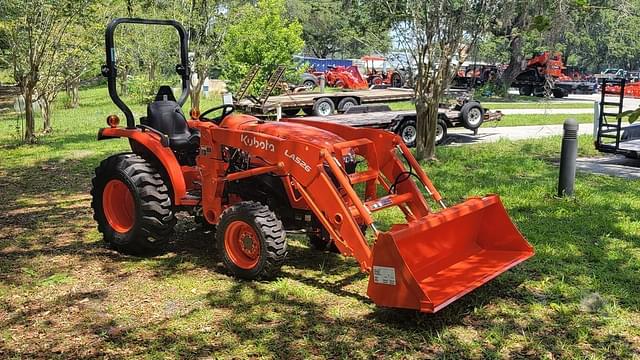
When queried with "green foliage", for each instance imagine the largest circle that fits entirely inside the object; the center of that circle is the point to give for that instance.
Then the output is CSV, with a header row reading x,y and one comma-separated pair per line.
x,y
261,35
333,28
631,115
491,89
142,90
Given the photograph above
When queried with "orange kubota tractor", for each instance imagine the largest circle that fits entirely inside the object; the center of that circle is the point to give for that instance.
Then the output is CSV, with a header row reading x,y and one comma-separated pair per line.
x,y
255,179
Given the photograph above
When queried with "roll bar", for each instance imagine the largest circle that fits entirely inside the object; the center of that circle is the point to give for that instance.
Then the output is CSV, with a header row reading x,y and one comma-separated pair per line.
x,y
110,72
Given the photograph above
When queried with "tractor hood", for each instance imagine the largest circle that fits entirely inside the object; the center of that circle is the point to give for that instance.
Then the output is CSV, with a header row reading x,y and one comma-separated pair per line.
x,y
283,130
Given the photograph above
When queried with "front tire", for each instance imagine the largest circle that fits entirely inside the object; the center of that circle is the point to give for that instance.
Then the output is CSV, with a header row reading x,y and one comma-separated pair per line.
x,y
252,240
131,204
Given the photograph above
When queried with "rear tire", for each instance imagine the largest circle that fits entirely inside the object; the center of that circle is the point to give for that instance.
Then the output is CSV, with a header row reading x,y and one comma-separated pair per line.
x,y
526,90
131,204
396,80
252,240
323,107
558,93
346,103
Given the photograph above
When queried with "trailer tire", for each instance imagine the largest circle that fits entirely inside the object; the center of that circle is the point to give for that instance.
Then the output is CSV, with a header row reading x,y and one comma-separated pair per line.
x,y
396,80
408,131
252,240
558,93
441,132
525,90
132,204
323,107
346,103
472,115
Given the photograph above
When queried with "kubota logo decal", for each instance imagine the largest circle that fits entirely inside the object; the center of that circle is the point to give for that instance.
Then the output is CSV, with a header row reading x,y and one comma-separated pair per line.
x,y
298,160
258,144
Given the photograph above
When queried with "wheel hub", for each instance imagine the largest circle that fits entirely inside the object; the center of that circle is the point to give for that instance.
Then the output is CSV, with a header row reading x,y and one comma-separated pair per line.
x,y
118,206
242,244
409,134
475,116
324,109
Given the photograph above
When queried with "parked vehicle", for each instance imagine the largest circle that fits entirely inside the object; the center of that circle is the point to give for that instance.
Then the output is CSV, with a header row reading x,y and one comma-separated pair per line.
x,y
254,179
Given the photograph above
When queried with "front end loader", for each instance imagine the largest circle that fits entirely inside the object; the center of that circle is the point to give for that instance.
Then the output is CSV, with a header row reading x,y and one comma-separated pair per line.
x,y
254,180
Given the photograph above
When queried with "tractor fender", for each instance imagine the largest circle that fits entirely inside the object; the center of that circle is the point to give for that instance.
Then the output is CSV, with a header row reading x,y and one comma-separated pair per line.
x,y
152,143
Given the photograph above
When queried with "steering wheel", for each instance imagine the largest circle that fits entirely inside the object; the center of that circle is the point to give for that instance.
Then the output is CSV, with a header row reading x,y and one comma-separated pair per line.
x,y
227,109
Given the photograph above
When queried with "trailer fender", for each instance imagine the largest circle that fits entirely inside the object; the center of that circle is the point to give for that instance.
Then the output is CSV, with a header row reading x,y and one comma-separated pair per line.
x,y
163,154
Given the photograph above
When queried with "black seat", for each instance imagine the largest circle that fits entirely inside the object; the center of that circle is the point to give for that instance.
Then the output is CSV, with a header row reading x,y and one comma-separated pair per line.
x,y
165,115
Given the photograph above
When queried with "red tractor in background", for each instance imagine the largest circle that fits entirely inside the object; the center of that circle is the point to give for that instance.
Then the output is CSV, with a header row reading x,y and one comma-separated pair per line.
x,y
253,180
346,77
541,75
385,76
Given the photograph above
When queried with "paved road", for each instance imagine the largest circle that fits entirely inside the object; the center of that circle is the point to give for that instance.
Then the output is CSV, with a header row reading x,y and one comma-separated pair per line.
x,y
486,133
615,165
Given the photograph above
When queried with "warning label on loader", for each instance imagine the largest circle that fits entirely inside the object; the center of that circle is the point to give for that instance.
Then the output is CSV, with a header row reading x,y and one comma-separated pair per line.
x,y
384,275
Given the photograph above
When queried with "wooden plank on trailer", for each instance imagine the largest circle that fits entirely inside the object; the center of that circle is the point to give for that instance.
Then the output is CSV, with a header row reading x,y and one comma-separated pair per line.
x,y
373,119
307,99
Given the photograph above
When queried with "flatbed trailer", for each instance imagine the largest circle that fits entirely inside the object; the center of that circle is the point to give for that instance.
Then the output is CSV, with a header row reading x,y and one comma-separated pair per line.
x,y
403,122
321,104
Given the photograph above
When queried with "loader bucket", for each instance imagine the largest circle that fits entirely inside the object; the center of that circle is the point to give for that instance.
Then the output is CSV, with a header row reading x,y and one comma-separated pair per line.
x,y
429,263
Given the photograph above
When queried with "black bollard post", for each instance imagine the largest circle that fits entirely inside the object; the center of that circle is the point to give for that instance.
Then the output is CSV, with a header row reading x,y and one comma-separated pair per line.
x,y
568,156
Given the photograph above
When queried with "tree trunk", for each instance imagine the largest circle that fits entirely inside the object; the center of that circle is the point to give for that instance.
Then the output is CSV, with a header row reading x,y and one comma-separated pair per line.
x,y
30,125
75,89
426,120
45,108
73,93
152,71
195,90
124,74
515,63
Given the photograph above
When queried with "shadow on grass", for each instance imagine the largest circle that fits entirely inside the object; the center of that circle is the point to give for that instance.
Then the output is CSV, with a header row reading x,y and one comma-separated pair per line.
x,y
581,242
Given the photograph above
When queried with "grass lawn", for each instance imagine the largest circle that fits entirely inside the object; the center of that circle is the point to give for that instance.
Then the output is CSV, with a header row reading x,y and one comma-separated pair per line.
x,y
538,119
62,293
